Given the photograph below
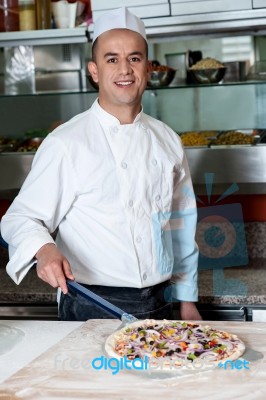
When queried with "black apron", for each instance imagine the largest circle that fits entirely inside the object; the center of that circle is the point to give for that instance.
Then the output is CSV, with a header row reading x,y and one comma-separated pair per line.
x,y
142,303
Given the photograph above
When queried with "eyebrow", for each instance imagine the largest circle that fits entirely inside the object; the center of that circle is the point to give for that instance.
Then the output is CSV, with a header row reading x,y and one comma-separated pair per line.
x,y
133,53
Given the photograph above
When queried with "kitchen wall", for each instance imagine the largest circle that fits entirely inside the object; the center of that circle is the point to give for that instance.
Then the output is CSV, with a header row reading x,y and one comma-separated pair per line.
x,y
21,113
209,108
232,48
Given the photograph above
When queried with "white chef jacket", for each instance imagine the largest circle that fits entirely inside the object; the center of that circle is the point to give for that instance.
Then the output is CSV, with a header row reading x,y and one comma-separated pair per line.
x,y
111,191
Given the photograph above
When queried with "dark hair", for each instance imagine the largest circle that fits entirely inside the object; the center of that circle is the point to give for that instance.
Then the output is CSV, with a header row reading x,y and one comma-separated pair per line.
x,y
94,49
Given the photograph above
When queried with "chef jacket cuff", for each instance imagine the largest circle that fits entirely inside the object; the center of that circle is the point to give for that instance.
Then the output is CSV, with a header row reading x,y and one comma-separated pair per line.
x,y
23,258
182,292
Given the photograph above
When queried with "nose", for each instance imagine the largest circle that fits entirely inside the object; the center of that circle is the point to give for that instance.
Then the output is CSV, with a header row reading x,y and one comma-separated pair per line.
x,y
125,67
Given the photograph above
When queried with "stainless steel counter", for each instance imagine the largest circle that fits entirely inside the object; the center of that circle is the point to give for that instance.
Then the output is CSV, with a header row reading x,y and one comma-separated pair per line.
x,y
245,166
14,168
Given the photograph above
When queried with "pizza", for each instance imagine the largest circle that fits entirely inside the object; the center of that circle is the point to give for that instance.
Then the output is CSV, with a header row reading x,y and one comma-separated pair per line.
x,y
174,343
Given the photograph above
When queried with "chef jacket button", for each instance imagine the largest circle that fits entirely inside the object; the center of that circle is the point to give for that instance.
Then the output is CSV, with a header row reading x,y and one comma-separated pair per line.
x,y
138,239
143,127
154,162
158,197
115,129
124,165
168,269
144,276
130,203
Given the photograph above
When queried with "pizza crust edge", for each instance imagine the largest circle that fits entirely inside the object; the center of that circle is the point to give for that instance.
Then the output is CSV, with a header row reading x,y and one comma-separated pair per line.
x,y
110,341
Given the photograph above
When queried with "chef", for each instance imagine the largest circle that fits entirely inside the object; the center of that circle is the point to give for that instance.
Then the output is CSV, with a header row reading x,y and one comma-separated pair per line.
x,y
109,200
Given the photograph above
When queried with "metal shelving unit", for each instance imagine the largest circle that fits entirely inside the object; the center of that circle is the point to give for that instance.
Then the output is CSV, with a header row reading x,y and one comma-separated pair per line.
x,y
249,21
44,37
245,166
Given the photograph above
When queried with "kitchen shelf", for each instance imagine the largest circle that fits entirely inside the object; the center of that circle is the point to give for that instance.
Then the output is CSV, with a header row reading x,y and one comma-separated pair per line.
x,y
44,37
200,85
50,93
89,90
245,21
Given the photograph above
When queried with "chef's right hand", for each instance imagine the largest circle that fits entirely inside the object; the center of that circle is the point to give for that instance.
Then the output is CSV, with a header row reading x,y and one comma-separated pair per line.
x,y
53,267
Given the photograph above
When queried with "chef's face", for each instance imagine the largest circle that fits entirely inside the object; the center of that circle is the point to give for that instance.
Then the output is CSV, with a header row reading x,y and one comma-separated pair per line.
x,y
120,68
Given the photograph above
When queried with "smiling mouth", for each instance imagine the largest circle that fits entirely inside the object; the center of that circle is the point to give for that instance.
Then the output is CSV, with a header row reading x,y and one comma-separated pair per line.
x,y
124,83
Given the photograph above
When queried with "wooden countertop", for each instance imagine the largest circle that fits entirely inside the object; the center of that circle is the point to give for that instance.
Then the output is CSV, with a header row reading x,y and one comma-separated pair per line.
x,y
65,371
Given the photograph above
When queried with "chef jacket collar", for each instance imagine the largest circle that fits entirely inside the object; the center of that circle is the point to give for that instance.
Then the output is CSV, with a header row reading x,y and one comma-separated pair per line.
x,y
109,119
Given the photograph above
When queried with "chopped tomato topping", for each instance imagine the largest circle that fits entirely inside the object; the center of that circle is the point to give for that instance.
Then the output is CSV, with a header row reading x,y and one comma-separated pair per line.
x,y
183,345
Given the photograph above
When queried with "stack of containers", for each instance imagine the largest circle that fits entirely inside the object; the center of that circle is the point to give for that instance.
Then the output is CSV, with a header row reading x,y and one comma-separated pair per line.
x,y
43,14
9,15
24,15
27,21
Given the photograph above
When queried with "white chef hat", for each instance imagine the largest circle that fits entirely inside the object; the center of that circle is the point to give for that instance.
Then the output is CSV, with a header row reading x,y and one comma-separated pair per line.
x,y
120,18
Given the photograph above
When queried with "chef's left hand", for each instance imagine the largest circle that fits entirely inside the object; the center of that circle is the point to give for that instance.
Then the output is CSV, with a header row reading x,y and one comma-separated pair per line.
x,y
189,311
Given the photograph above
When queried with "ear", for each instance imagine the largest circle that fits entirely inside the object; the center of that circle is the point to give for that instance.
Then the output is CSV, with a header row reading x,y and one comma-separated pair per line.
x,y
93,70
